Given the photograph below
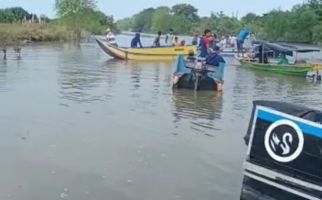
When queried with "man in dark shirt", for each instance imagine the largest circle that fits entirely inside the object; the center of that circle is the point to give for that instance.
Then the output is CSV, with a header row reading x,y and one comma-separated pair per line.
x,y
204,43
156,42
136,41
214,58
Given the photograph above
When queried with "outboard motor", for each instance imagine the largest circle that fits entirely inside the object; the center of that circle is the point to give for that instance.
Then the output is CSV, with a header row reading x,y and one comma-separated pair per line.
x,y
284,158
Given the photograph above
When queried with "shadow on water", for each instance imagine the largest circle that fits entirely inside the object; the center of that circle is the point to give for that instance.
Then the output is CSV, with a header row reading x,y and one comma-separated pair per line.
x,y
201,109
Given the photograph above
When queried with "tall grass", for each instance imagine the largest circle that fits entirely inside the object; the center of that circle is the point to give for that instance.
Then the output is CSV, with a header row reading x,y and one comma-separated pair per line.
x,y
12,33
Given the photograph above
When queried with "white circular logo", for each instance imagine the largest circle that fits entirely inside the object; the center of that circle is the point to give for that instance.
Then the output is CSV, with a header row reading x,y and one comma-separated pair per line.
x,y
284,141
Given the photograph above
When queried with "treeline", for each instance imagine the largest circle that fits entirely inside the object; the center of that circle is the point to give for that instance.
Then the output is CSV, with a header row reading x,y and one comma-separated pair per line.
x,y
76,19
20,15
301,24
82,15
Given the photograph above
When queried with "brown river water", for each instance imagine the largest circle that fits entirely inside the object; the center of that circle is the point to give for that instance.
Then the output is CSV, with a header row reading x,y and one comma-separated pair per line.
x,y
77,125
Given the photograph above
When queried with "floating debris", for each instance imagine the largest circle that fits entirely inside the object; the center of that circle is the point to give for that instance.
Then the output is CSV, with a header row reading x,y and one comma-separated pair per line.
x,y
63,195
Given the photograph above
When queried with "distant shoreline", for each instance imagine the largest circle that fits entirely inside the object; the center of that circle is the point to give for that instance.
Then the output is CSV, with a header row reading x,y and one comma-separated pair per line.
x,y
11,34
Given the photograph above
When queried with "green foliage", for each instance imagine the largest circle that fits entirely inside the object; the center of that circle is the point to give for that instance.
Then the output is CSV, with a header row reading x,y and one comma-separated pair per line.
x,y
143,20
125,24
80,15
186,11
11,15
11,33
73,7
162,20
317,33
302,24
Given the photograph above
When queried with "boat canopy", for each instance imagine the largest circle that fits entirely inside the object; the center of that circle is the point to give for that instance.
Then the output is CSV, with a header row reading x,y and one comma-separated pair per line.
x,y
286,49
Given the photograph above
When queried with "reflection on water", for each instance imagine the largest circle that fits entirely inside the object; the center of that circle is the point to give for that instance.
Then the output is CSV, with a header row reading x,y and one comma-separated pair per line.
x,y
202,109
79,125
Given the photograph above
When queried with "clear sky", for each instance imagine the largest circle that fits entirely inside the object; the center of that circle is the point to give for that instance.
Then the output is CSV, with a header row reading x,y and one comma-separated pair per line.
x,y
125,8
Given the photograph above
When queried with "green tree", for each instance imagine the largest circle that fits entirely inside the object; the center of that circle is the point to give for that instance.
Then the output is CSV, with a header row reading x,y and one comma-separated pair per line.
x,y
82,15
73,7
162,20
11,15
250,18
143,20
125,24
187,11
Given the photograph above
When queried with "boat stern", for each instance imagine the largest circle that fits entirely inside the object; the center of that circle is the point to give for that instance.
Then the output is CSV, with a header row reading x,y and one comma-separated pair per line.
x,y
284,156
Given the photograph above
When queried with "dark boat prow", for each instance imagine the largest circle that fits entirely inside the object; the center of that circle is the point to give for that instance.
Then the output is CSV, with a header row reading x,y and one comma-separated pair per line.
x,y
284,158
197,75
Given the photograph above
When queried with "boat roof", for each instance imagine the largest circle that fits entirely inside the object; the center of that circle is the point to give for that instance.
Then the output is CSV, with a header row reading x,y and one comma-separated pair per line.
x,y
287,49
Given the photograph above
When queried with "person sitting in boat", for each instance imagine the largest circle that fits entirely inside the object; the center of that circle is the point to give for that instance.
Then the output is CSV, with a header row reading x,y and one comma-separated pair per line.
x,y
183,43
191,56
176,42
136,41
262,55
110,37
214,58
282,59
156,42
195,39
169,36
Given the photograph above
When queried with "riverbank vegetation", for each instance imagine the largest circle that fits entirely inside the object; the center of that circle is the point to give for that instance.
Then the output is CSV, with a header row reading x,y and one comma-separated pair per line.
x,y
303,23
79,18
29,32
76,19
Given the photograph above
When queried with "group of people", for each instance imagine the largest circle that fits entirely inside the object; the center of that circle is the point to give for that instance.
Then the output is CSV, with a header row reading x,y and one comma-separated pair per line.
x,y
208,48
136,41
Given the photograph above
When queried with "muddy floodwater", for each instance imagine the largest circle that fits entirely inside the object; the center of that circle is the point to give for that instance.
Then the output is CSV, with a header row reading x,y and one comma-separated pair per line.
x,y
77,125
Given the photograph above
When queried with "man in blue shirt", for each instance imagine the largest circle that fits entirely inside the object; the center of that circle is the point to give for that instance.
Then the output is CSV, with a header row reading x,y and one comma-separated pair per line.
x,y
205,43
243,34
214,58
136,41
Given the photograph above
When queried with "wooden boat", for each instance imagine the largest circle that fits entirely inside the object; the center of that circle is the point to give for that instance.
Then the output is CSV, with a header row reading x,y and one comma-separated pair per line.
x,y
148,53
197,75
293,70
290,69
284,156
